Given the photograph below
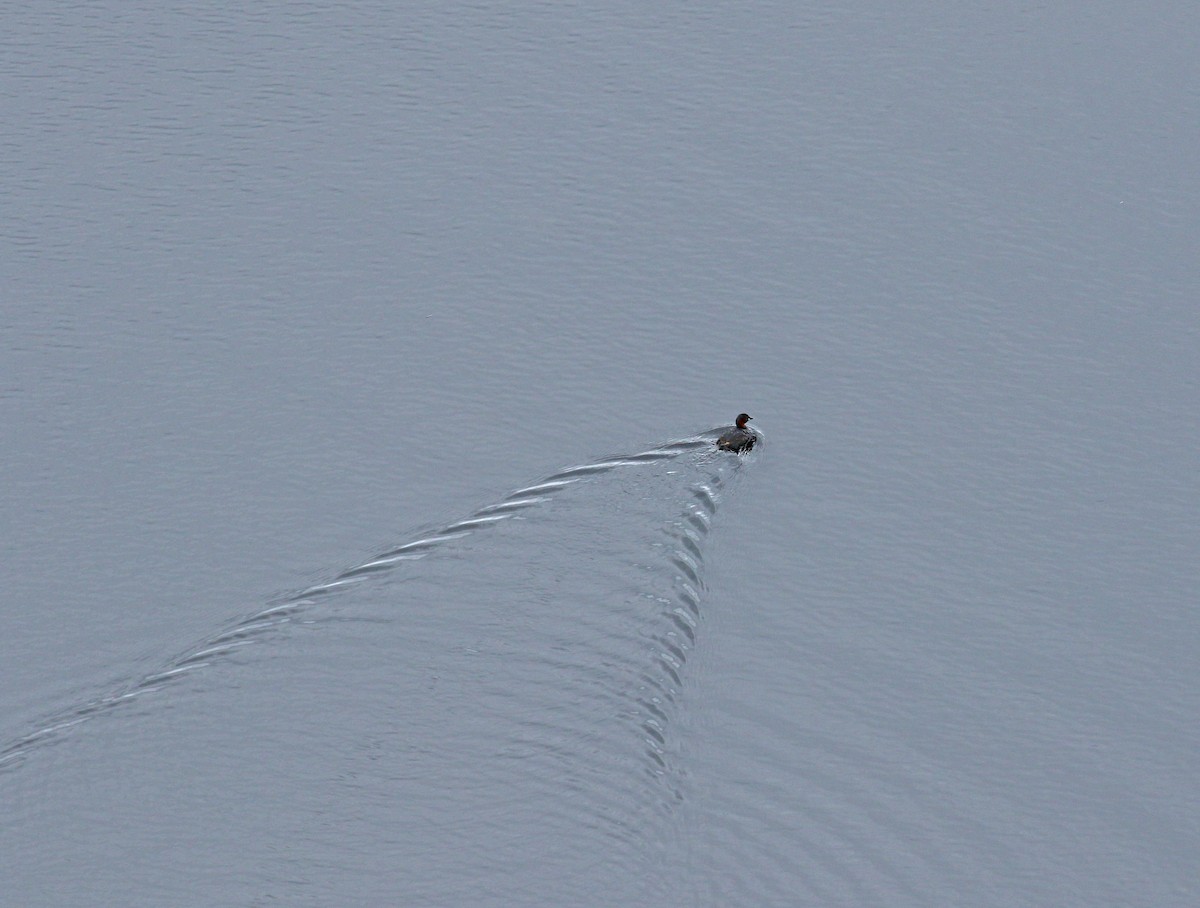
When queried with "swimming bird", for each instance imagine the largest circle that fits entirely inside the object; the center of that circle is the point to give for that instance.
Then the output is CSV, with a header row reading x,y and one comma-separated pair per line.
x,y
739,438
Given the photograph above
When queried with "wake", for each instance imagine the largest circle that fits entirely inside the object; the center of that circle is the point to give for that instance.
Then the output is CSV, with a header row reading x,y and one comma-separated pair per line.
x,y
672,631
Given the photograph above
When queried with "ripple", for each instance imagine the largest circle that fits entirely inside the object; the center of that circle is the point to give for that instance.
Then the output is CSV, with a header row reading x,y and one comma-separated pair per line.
x,y
223,644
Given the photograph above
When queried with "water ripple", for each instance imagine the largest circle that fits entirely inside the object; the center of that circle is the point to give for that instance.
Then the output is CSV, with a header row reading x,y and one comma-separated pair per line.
x,y
692,523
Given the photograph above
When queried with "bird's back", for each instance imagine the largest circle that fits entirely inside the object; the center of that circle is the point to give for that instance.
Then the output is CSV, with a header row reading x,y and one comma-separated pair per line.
x,y
736,440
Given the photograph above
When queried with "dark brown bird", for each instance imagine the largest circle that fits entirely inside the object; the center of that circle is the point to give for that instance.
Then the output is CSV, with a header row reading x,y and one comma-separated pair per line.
x,y
739,438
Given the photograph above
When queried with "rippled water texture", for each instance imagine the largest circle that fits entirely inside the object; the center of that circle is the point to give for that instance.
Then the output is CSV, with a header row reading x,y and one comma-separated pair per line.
x,y
298,302
490,704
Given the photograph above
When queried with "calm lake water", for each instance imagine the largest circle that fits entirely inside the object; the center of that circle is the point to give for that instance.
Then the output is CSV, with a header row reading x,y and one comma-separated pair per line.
x,y
363,540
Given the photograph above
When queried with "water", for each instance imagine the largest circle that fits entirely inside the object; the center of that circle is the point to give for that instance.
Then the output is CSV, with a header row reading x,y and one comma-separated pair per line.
x,y
289,290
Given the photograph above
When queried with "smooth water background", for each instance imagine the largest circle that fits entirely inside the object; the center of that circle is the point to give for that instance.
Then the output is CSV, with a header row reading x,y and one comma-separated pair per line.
x,y
287,287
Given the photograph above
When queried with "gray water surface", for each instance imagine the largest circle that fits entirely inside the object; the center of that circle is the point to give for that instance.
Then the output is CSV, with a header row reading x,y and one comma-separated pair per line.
x,y
288,289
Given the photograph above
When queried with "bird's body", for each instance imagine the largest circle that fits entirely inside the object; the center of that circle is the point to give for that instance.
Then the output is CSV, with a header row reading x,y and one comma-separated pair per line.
x,y
740,438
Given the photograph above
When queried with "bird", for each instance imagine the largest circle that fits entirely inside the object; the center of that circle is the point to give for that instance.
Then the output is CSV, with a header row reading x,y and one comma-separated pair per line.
x,y
740,438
